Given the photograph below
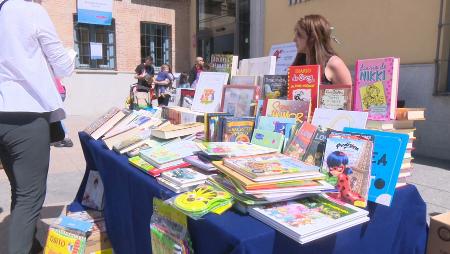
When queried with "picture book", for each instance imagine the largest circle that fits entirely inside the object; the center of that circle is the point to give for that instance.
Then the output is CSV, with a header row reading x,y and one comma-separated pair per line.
x,y
376,87
258,66
337,97
140,163
285,54
287,109
303,84
315,150
174,187
211,122
277,124
237,99
183,176
224,63
347,161
208,93
233,148
149,169
275,86
93,193
296,148
309,218
200,163
270,167
173,151
268,139
236,129
388,153
244,80
338,119
64,241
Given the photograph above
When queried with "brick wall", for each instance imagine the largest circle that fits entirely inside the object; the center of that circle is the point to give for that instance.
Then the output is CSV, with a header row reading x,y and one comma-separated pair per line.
x,y
128,15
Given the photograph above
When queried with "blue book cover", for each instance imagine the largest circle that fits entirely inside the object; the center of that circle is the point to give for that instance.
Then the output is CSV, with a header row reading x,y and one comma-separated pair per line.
x,y
389,149
83,226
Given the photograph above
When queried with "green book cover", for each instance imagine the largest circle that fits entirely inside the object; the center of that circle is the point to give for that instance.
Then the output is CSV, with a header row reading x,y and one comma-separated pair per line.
x,y
268,139
140,163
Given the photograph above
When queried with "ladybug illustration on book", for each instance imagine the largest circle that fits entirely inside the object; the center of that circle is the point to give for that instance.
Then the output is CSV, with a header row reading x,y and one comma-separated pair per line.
x,y
337,162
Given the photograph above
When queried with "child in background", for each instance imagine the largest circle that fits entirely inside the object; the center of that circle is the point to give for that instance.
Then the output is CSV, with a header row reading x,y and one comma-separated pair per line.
x,y
162,83
184,83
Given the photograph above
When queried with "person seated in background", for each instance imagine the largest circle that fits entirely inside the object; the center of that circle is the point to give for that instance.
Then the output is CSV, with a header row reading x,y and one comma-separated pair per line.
x,y
183,81
162,84
313,34
144,74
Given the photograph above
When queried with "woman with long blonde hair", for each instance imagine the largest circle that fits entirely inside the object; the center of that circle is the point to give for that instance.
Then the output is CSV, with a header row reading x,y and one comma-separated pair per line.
x,y
313,35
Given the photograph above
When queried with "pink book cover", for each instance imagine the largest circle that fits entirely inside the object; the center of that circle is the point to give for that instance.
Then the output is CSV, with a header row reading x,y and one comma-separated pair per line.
x,y
376,87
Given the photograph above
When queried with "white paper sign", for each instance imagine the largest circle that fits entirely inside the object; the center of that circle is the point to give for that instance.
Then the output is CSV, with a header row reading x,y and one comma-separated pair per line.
x,y
338,119
96,50
258,66
285,54
209,90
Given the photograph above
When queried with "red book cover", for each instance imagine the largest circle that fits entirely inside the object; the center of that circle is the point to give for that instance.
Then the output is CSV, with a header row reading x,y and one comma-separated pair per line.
x,y
301,140
303,84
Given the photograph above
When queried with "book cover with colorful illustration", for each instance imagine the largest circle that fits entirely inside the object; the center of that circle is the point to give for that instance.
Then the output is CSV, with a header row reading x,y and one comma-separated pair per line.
x,y
347,161
303,84
300,110
275,86
208,92
233,148
62,241
296,148
183,176
376,87
315,150
337,97
235,129
388,153
268,139
306,217
170,152
211,121
270,166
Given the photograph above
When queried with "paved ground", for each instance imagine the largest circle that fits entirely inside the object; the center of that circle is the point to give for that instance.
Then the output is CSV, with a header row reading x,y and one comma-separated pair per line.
x,y
432,178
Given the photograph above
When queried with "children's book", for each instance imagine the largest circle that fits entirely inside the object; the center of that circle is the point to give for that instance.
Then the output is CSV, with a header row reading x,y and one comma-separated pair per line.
x,y
175,151
184,176
337,97
148,168
300,110
303,84
200,163
315,150
211,122
270,167
388,153
338,119
224,63
174,187
233,148
60,240
347,161
235,129
268,139
237,99
309,218
208,93
93,193
376,87
296,148
275,86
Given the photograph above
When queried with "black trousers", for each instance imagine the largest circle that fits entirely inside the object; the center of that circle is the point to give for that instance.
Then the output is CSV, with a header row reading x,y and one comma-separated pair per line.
x,y
24,152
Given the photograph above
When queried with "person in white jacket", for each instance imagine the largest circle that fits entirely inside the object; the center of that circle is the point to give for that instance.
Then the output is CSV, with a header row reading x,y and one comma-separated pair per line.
x,y
31,56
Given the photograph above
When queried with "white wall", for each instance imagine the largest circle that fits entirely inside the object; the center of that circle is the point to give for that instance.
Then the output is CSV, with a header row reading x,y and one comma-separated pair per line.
x,y
93,93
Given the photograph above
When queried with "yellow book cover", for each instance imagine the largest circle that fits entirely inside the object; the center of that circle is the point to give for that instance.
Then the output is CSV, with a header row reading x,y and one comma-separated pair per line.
x,y
62,242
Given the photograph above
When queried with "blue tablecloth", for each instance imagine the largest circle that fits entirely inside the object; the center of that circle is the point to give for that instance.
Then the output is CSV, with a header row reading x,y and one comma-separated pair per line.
x,y
401,228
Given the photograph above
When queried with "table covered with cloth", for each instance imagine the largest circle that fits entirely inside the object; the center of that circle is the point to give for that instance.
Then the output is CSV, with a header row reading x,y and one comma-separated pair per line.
x,y
401,228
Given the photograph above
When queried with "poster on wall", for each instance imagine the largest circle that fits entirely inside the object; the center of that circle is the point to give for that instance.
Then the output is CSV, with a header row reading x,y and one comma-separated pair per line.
x,y
96,50
98,12
285,54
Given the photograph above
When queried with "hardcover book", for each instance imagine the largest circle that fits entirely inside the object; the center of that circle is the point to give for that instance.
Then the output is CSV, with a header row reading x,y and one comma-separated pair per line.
x,y
376,87
338,119
235,129
347,161
337,97
174,131
303,84
211,122
388,153
268,139
270,167
296,148
315,150
287,109
208,93
237,99
174,151
184,176
275,86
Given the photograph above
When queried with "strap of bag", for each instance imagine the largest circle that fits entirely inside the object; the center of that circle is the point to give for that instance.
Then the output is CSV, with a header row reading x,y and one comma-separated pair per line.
x,y
1,5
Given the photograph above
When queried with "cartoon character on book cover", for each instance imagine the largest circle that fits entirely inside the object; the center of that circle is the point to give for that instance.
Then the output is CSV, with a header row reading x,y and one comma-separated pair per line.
x,y
373,96
207,96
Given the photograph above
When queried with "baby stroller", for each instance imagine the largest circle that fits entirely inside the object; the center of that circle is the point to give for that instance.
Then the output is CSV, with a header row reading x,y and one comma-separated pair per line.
x,y
140,98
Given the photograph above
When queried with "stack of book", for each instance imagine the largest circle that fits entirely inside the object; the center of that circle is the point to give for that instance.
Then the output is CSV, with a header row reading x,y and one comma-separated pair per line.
x,y
404,123
181,180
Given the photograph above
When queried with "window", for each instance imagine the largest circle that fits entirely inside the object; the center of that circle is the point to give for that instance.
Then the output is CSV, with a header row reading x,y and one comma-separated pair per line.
x,y
156,42
88,36
442,76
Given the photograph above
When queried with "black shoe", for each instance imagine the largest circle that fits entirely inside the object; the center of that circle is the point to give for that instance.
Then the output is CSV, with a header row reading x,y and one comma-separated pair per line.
x,y
67,142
